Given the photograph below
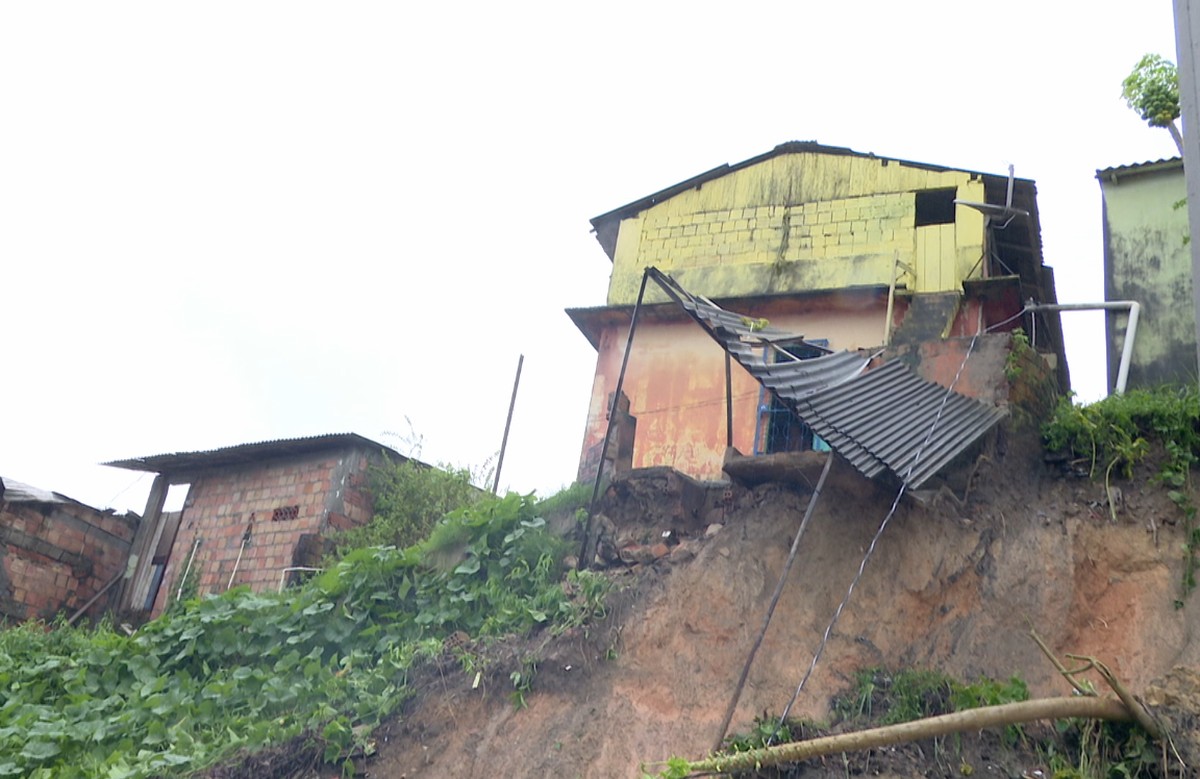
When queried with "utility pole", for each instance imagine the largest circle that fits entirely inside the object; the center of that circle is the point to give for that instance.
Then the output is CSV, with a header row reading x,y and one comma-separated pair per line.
x,y
1187,36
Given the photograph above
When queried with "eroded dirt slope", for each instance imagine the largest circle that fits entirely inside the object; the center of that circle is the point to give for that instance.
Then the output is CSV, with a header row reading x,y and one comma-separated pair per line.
x,y
951,588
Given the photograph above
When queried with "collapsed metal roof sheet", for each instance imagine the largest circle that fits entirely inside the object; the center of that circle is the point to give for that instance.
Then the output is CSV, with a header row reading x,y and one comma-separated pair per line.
x,y
884,419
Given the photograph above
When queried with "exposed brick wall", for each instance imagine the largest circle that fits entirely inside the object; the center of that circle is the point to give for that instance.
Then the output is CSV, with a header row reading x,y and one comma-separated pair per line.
x,y
55,556
279,503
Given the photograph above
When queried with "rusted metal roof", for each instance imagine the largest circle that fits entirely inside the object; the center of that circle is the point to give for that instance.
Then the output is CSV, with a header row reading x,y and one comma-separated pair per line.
x,y
245,454
886,419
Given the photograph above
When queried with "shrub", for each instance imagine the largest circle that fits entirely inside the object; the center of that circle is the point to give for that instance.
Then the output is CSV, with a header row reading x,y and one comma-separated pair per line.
x,y
410,498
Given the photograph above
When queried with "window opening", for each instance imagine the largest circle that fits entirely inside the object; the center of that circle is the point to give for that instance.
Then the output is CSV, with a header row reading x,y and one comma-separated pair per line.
x,y
783,430
935,207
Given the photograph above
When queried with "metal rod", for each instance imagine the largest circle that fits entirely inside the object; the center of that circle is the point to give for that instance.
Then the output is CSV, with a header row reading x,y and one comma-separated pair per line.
x,y
120,575
507,425
891,302
188,569
612,412
1134,309
728,402
787,566
238,561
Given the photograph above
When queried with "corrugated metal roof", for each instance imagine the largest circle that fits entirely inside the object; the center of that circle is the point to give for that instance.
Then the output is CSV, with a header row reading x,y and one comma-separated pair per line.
x,y
1140,167
879,420
14,491
244,454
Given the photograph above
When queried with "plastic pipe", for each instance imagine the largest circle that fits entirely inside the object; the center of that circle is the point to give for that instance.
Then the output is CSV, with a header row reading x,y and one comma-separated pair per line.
x,y
1135,310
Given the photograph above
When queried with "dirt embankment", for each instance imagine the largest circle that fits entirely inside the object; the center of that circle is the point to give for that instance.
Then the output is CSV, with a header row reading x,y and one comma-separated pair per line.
x,y
949,587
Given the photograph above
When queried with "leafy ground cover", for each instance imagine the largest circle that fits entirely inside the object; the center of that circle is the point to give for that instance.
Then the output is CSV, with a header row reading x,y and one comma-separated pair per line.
x,y
327,660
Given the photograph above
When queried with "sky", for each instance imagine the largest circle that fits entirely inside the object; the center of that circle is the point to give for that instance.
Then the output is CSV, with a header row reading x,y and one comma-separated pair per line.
x,y
228,222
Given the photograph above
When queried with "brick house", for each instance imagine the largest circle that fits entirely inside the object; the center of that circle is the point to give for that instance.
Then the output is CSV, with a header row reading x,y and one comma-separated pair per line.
x,y
57,554
850,250
252,512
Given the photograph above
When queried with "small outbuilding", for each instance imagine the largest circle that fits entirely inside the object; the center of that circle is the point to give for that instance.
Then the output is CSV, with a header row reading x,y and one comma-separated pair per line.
x,y
254,514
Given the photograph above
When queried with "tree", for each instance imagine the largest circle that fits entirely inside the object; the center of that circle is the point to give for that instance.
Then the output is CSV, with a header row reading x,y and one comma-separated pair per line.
x,y
1152,90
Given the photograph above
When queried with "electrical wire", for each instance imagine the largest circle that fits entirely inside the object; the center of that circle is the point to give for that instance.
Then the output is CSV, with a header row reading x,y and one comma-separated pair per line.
x,y
875,540
128,487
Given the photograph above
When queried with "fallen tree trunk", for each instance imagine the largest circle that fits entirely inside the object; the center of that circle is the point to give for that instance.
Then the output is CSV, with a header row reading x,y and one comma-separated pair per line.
x,y
958,722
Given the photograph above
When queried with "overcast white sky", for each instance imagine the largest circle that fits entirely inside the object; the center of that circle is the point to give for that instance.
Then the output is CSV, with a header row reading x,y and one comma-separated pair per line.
x,y
227,222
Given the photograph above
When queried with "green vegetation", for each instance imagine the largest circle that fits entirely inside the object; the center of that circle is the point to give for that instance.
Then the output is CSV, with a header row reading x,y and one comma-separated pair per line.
x,y
1120,431
1101,750
327,660
410,499
1020,348
878,697
889,697
570,499
1152,90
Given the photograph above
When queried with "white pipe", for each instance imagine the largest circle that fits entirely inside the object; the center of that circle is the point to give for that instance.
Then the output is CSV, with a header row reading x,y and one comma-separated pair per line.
x,y
283,572
1134,309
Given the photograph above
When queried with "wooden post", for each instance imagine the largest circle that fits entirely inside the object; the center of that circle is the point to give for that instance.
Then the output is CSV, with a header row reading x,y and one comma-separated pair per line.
x,y
728,402
141,551
507,424
612,413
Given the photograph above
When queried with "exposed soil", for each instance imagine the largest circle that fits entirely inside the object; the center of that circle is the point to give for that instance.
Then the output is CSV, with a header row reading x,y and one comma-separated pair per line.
x,y
949,587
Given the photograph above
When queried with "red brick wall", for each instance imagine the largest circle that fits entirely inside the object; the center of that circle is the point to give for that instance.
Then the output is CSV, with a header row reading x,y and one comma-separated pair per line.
x,y
55,556
328,489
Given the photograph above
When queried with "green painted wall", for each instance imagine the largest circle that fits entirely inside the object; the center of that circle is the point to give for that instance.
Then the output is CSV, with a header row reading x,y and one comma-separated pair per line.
x,y
1145,259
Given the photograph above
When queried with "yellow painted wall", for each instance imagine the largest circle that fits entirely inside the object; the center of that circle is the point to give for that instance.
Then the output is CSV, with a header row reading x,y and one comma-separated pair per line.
x,y
801,222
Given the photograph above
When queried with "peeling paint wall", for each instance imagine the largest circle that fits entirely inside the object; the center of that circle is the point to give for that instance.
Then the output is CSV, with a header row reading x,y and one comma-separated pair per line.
x,y
802,222
55,556
1145,259
675,380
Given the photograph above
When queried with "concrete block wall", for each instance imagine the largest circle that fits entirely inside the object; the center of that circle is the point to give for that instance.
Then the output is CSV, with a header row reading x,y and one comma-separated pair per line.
x,y
830,229
276,503
55,556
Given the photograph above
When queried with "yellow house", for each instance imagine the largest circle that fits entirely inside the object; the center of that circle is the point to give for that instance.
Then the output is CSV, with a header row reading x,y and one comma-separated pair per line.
x,y
851,250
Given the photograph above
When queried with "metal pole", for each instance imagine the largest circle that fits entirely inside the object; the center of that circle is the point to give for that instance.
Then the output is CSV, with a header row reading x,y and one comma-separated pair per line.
x,y
507,424
612,412
188,569
728,402
1187,36
787,567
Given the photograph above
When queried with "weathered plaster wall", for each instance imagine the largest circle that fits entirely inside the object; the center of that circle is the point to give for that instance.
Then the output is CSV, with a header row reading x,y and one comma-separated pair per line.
x,y
676,380
801,222
55,556
1145,259
328,491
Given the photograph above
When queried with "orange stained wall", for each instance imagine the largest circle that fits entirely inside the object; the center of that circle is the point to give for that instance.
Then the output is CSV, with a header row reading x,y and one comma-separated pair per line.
x,y
676,380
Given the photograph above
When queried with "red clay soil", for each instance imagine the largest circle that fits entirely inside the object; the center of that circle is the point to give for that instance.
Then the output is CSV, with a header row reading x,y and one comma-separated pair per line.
x,y
948,588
